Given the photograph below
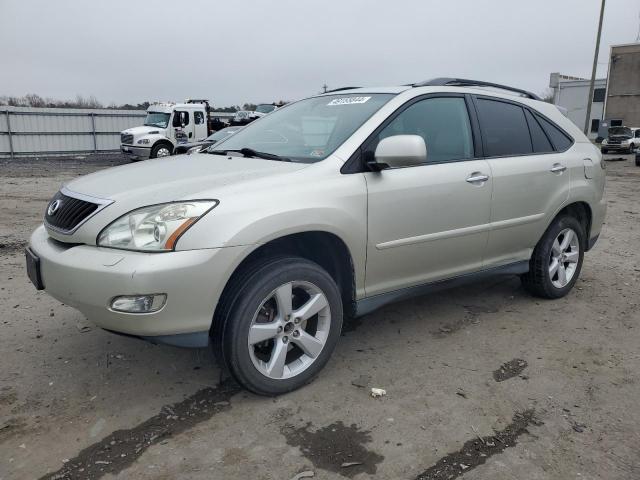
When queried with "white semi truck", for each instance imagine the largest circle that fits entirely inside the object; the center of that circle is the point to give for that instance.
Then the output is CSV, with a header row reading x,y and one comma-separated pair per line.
x,y
167,125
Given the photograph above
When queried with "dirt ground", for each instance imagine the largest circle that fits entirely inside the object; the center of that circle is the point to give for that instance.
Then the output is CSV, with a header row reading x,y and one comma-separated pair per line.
x,y
483,382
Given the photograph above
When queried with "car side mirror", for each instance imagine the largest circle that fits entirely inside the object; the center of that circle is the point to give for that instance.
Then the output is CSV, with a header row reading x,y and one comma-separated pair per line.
x,y
399,151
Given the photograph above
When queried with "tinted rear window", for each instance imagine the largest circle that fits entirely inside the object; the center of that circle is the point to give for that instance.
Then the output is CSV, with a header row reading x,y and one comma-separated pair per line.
x,y
504,128
560,140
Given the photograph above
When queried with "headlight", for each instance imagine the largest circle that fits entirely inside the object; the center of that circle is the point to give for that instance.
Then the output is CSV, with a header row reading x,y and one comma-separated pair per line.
x,y
156,228
605,142
143,141
194,150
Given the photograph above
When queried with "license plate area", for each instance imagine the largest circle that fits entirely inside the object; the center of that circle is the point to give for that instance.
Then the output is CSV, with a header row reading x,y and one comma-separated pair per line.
x,y
33,269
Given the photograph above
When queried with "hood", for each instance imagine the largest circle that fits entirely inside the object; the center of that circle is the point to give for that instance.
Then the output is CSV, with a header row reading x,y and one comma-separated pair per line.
x,y
182,177
143,130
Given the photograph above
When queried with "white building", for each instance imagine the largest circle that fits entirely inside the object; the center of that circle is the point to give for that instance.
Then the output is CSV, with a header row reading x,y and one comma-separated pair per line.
x,y
571,94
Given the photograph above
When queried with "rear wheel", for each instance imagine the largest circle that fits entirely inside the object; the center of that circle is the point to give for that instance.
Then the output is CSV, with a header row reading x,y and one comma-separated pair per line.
x,y
557,259
161,150
280,326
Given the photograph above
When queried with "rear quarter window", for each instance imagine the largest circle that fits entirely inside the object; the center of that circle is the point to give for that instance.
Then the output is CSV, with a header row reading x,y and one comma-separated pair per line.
x,y
539,139
560,140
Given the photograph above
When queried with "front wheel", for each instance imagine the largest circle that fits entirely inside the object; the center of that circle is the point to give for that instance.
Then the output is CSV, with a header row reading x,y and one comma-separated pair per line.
x,y
161,150
281,326
557,259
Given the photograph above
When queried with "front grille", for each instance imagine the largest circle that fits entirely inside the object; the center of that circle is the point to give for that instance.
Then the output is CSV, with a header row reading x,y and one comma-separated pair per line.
x,y
126,139
68,213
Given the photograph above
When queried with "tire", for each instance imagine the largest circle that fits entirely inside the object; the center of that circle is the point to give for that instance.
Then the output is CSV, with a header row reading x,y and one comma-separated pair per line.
x,y
637,159
540,281
252,311
604,151
159,150
632,148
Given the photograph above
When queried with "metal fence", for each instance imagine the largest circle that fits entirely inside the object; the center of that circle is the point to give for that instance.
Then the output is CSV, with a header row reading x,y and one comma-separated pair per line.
x,y
26,131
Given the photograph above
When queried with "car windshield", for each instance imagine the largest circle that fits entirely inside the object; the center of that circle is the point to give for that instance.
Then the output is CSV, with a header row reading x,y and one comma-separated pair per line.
x,y
222,134
265,108
157,119
620,131
308,130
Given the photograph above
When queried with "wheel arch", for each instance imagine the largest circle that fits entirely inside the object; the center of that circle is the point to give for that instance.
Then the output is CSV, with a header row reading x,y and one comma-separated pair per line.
x,y
582,212
322,247
163,141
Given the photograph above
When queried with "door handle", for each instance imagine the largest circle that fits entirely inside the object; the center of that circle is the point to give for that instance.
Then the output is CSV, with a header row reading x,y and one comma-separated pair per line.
x,y
477,177
557,168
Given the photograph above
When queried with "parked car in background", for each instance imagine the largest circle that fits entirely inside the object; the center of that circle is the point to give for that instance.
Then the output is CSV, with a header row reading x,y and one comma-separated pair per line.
x,y
168,125
621,140
331,206
244,117
194,147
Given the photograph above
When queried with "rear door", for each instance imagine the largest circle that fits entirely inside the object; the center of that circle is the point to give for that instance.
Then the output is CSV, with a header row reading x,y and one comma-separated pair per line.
x,y
530,176
430,221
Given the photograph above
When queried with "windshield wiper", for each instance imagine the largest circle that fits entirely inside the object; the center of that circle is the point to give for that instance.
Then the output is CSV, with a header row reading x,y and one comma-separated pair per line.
x,y
251,153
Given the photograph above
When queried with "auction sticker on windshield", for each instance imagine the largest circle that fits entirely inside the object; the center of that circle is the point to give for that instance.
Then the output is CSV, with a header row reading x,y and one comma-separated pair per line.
x,y
347,101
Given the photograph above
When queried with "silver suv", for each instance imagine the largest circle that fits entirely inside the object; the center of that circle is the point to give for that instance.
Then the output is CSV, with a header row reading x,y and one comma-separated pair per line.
x,y
329,207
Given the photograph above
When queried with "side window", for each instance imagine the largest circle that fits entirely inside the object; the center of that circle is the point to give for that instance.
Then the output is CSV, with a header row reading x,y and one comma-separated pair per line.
x,y
637,133
443,123
559,139
198,118
541,143
598,94
504,128
180,118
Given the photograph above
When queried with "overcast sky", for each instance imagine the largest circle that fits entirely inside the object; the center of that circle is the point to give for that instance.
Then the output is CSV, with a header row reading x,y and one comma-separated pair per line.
x,y
264,50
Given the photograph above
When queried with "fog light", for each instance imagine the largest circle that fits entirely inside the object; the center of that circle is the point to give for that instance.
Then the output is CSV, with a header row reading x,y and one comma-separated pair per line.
x,y
139,303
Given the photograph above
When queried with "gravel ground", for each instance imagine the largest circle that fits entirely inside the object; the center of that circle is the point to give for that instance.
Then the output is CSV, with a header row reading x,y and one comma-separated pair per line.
x,y
483,382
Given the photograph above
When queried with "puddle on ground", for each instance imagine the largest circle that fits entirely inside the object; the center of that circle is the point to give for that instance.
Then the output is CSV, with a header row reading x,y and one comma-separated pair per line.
x,y
117,451
477,451
337,448
508,370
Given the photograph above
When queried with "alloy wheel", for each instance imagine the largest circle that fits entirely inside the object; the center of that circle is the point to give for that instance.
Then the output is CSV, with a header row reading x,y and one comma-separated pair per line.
x,y
289,330
563,261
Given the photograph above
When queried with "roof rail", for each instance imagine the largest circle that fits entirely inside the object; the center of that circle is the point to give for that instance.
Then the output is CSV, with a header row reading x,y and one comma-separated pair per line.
x,y
340,89
462,82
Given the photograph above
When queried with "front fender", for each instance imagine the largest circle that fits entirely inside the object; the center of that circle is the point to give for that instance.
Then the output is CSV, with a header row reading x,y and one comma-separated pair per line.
x,y
337,206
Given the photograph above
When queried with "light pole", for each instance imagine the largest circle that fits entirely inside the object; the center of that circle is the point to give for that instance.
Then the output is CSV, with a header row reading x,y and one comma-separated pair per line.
x,y
587,121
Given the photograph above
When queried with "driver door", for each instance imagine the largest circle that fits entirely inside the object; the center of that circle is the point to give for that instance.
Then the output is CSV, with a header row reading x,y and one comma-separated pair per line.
x,y
428,222
183,126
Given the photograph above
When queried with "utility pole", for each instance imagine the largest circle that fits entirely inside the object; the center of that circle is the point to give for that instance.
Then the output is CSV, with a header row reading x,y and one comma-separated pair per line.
x,y
587,121
325,87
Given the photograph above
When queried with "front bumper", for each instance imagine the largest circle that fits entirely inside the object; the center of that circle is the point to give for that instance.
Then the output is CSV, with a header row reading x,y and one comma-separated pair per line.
x,y
88,278
136,152
616,147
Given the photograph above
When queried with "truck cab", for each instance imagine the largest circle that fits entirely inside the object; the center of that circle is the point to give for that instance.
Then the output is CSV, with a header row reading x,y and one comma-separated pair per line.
x,y
166,126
